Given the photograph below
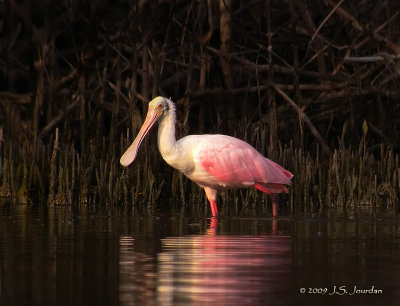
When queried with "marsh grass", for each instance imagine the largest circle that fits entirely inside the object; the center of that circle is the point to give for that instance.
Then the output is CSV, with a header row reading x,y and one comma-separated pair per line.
x,y
58,175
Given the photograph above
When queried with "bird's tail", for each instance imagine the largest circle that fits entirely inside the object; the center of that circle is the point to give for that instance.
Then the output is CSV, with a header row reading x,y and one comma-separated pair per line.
x,y
271,188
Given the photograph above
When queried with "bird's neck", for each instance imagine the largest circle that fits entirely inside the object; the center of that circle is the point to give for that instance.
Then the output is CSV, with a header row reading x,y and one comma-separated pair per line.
x,y
166,132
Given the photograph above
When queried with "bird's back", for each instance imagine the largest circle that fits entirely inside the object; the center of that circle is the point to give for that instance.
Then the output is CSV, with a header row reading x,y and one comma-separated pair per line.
x,y
234,161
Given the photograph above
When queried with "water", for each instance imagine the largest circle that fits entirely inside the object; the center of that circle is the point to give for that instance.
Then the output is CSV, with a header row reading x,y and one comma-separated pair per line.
x,y
120,256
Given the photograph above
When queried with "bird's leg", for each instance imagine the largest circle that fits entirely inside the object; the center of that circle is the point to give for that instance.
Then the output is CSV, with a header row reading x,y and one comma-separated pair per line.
x,y
212,198
274,200
272,196
214,208
274,209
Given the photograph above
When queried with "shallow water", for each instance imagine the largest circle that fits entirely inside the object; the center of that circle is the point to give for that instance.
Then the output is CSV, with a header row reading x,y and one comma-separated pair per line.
x,y
120,256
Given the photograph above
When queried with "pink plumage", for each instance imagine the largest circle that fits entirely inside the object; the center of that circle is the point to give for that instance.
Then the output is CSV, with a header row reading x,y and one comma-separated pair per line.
x,y
237,164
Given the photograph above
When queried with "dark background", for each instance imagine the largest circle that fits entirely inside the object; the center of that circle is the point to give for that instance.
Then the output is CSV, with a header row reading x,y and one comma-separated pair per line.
x,y
312,75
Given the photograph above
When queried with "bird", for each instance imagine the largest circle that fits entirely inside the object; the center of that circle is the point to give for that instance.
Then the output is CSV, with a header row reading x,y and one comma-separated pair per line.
x,y
215,162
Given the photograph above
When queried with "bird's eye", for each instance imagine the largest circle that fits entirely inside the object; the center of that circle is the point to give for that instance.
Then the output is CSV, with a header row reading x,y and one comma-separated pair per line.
x,y
159,106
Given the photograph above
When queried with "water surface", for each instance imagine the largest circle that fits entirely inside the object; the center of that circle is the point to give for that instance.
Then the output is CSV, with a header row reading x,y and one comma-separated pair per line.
x,y
120,256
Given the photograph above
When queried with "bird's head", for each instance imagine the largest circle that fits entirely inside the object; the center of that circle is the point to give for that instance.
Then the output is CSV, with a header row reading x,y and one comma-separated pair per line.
x,y
158,107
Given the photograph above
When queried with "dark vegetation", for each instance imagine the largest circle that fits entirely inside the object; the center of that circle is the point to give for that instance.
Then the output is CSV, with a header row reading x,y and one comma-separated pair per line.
x,y
314,85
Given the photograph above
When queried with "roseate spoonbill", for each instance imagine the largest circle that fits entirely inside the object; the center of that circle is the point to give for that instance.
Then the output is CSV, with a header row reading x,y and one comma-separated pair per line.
x,y
214,162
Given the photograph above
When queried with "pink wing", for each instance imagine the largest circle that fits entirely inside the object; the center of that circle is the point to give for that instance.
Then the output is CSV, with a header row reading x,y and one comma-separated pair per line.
x,y
234,161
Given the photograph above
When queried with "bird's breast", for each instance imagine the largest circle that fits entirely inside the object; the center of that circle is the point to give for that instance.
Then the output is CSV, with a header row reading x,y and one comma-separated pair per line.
x,y
179,160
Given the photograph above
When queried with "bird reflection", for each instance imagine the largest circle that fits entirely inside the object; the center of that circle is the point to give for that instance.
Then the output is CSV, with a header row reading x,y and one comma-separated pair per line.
x,y
212,229
223,269
205,269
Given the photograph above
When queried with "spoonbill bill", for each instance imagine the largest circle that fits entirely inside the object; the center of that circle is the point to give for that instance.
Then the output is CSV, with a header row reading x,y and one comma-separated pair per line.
x,y
214,162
